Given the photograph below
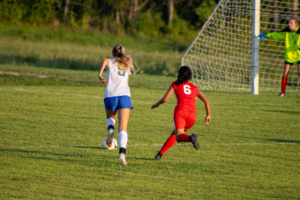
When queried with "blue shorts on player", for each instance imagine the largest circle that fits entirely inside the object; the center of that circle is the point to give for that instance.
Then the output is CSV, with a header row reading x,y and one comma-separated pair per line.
x,y
116,103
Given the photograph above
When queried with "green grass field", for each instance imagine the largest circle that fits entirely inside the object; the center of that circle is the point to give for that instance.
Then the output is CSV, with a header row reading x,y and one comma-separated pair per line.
x,y
52,123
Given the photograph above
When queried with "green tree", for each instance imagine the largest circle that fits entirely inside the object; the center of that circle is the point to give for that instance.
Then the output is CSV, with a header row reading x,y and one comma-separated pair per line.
x,y
203,10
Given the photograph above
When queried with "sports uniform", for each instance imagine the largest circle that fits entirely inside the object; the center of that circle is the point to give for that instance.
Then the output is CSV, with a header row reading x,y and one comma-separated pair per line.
x,y
292,50
292,43
184,115
117,93
185,110
117,96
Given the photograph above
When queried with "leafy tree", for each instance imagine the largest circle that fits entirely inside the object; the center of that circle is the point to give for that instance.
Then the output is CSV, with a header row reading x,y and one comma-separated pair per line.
x,y
204,9
170,19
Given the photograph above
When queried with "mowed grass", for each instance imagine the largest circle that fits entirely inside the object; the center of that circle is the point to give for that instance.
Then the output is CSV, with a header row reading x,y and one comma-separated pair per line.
x,y
53,122
81,51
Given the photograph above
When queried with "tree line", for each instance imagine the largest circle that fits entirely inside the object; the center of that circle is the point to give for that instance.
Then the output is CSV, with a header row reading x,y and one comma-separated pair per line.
x,y
170,19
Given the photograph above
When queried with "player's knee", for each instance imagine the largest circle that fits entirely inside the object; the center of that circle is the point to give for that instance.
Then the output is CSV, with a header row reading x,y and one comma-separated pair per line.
x,y
177,132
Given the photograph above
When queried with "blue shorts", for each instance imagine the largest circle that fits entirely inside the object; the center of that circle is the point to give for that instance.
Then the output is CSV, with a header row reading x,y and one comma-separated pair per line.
x,y
116,103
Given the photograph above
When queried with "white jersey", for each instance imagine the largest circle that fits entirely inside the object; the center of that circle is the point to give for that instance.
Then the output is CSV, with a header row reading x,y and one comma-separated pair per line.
x,y
117,81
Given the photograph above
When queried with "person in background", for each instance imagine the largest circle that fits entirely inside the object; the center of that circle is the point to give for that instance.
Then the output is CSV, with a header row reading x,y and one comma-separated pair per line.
x,y
291,36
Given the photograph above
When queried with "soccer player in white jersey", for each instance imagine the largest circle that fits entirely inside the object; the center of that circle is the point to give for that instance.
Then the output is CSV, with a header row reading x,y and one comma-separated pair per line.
x,y
117,95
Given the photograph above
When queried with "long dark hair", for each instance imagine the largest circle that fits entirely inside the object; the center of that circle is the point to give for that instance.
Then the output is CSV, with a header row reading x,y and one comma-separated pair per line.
x,y
184,75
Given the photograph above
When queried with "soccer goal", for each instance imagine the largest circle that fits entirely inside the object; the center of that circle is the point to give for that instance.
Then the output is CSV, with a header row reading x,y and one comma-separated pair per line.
x,y
226,55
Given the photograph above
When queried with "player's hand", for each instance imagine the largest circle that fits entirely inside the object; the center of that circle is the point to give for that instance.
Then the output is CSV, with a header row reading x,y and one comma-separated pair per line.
x,y
155,105
207,119
103,80
261,36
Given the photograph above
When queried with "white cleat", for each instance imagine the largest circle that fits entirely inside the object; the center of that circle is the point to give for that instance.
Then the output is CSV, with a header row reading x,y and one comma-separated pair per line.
x,y
122,159
282,95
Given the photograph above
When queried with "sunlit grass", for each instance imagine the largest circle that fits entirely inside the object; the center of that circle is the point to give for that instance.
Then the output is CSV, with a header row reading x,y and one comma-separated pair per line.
x,y
51,133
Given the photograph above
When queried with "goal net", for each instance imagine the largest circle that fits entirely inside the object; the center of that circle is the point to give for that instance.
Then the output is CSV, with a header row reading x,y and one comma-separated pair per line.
x,y
220,55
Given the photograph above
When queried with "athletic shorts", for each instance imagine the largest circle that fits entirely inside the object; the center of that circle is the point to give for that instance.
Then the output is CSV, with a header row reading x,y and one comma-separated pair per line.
x,y
116,103
286,62
184,119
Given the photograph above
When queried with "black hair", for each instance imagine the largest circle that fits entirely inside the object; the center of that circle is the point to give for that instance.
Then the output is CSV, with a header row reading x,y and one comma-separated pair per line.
x,y
184,75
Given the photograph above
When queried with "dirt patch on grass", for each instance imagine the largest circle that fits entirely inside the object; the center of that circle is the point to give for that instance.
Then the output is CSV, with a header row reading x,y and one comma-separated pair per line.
x,y
22,74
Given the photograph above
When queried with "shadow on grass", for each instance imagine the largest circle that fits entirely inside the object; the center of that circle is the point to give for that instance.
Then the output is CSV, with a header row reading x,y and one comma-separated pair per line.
x,y
60,63
284,111
47,155
83,147
40,155
284,141
139,158
18,150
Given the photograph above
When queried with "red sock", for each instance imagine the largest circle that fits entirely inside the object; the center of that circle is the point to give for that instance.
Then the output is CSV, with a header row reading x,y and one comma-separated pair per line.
x,y
183,138
283,84
168,144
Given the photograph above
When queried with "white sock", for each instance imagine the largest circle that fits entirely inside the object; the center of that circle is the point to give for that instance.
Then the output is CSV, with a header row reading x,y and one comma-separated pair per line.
x,y
110,122
110,133
123,138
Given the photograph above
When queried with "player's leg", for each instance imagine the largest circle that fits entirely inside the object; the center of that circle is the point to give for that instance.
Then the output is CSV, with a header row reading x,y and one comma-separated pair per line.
x,y
124,107
190,119
124,115
179,124
284,78
182,137
111,116
179,136
167,145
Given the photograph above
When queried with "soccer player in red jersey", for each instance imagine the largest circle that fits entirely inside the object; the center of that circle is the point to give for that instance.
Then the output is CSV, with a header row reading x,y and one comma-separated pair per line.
x,y
185,110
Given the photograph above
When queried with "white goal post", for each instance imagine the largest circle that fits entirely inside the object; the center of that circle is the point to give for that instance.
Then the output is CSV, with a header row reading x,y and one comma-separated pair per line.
x,y
226,55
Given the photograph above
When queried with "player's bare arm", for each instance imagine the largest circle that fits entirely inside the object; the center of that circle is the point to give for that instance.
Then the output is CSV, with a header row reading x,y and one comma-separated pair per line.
x,y
104,64
201,96
165,97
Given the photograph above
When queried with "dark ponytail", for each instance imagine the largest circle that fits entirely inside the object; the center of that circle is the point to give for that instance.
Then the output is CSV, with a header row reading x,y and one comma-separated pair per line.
x,y
184,75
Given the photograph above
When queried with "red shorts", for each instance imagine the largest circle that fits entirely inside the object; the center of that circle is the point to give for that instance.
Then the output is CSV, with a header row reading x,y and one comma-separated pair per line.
x,y
184,119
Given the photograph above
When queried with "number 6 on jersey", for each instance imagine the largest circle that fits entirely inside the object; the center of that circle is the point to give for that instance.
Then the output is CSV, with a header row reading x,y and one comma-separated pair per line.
x,y
187,89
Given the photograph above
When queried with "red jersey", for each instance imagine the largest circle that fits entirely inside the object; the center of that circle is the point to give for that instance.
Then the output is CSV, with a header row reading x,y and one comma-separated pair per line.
x,y
186,95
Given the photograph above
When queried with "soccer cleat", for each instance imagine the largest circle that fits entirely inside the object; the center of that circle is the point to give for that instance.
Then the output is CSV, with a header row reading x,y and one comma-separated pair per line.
x,y
194,140
281,95
123,162
122,159
158,156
